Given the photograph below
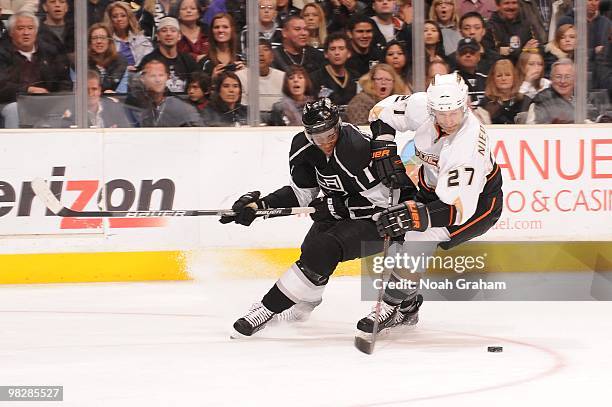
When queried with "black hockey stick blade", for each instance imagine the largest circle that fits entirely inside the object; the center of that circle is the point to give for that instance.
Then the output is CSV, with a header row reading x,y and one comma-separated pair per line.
x,y
42,191
364,345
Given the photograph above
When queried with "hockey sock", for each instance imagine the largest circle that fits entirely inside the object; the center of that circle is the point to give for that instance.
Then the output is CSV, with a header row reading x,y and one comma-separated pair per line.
x,y
276,301
402,289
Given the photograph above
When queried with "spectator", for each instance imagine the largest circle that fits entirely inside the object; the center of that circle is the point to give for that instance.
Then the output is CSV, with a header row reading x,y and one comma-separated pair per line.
x,y
339,12
180,65
555,104
270,80
387,27
405,11
444,12
483,7
194,40
502,101
602,73
560,8
26,66
396,58
295,50
530,67
297,91
104,59
508,32
224,108
314,17
157,108
102,112
284,10
434,68
468,56
153,11
562,46
95,11
56,30
538,14
223,52
598,28
472,25
198,90
127,34
382,81
268,27
334,80
10,7
364,54
434,42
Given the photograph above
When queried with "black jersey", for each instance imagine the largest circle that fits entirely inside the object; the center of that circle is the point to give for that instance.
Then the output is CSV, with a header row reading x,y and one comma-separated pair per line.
x,y
346,173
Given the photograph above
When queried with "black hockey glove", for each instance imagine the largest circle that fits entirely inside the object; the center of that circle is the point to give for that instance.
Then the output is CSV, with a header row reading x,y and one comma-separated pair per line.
x,y
399,219
329,208
245,208
388,165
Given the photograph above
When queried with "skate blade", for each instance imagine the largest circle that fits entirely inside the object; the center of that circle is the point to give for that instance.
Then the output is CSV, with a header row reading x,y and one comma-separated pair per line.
x,y
237,335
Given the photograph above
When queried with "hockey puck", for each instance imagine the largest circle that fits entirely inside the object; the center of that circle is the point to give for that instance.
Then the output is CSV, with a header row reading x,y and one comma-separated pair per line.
x,y
495,349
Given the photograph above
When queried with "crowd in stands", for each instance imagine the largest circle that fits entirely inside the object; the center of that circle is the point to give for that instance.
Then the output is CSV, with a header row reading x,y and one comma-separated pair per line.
x,y
156,63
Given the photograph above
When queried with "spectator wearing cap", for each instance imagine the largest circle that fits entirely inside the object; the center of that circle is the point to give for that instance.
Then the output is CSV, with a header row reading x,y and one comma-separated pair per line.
x,y
194,40
467,59
180,65
294,50
270,81
472,25
268,26
555,105
483,7
387,27
223,54
27,67
364,54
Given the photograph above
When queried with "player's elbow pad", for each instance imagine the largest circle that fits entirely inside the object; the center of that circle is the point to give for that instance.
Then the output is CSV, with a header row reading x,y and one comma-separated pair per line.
x,y
441,214
378,128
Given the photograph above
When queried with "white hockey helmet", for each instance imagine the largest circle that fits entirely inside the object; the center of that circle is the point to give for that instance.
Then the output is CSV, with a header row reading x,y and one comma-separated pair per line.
x,y
447,92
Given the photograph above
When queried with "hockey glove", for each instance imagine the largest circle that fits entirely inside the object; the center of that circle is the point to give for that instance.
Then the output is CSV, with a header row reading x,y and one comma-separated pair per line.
x,y
399,219
388,165
245,208
329,208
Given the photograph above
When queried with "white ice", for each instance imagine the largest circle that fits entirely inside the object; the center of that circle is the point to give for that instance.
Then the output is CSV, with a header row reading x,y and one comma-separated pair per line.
x,y
167,344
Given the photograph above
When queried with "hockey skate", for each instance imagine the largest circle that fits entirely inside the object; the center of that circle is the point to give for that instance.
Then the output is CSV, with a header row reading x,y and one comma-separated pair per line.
x,y
300,312
255,320
406,314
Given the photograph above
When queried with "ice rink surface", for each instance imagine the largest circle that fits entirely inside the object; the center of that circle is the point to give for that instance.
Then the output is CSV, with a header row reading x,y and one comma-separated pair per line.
x,y
167,344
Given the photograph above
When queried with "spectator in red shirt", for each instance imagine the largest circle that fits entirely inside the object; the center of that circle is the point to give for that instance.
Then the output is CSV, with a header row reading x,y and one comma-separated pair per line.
x,y
194,40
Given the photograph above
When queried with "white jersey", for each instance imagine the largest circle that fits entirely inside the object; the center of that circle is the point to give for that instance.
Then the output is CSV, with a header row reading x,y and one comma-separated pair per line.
x,y
454,167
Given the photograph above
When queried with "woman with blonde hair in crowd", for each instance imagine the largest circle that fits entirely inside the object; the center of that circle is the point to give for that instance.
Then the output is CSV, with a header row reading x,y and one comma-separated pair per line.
x,y
103,58
129,38
297,91
562,46
502,101
444,13
382,81
314,16
530,66
223,52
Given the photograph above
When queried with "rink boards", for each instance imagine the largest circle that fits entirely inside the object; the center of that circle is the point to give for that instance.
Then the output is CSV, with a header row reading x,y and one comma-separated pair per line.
x,y
557,184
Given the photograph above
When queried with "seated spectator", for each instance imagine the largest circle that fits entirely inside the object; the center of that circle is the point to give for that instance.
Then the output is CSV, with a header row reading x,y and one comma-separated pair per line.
x,y
405,11
223,52
335,81
295,50
502,101
156,106
559,9
434,42
104,59
102,112
95,11
508,32
56,30
483,7
530,68
598,28
364,53
268,26
314,16
562,46
555,104
27,67
434,68
387,27
382,81
180,65
284,10
194,40
468,56
127,34
198,90
224,108
297,91
444,12
270,81
153,11
395,57
472,25
339,12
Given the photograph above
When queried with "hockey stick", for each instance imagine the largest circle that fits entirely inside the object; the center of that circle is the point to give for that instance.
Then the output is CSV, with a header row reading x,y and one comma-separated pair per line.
x,y
367,345
42,191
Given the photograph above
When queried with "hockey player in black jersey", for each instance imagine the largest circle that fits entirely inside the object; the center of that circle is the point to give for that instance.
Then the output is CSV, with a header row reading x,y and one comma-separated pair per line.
x,y
333,159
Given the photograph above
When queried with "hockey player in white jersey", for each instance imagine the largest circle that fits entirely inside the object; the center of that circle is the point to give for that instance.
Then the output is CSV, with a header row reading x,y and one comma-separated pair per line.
x,y
459,197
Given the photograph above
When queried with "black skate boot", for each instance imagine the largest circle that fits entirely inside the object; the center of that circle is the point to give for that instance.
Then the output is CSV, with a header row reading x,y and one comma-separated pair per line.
x,y
386,318
408,312
255,320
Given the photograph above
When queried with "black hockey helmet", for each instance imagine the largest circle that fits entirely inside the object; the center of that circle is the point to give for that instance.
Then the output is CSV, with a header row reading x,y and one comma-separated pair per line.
x,y
320,118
